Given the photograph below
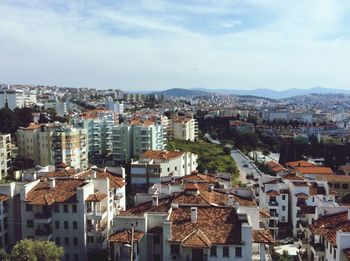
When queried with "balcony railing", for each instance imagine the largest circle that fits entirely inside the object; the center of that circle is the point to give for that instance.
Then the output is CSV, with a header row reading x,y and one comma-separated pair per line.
x,y
43,232
273,203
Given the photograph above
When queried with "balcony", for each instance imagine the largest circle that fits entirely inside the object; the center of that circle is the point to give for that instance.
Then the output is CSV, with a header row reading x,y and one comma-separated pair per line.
x,y
301,203
97,214
273,204
43,234
43,217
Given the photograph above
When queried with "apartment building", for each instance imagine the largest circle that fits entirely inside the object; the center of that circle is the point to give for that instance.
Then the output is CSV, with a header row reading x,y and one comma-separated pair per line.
x,y
182,128
167,208
13,98
75,212
337,183
131,140
274,198
157,165
5,154
329,237
51,144
99,124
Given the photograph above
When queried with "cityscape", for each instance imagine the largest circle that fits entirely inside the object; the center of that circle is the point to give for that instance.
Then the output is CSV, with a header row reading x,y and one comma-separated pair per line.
x,y
159,130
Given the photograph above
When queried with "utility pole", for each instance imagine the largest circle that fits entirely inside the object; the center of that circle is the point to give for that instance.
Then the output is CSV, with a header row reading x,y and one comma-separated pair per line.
x,y
132,243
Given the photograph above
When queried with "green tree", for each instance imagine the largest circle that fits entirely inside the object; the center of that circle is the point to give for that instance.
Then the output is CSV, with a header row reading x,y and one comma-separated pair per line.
x,y
35,250
42,118
4,256
24,116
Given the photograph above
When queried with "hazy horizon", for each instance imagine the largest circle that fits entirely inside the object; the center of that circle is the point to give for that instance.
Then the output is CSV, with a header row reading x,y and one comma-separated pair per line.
x,y
159,45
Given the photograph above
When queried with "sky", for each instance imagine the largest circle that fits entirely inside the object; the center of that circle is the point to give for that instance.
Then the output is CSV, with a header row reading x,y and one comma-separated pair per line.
x,y
156,44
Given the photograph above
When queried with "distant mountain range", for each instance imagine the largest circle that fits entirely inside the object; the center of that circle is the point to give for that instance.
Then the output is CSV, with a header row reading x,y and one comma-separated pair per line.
x,y
267,93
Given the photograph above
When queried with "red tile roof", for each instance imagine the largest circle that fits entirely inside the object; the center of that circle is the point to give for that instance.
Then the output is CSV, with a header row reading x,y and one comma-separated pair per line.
x,y
292,177
328,222
219,225
262,236
197,239
3,197
96,197
161,154
63,192
300,163
315,170
124,236
272,193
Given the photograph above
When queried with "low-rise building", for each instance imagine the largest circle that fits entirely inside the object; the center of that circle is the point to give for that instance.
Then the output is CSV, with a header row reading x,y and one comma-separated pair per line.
x,y
5,155
155,165
182,128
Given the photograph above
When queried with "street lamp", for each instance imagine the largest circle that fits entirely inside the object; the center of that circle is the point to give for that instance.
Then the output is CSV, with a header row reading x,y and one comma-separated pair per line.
x,y
131,241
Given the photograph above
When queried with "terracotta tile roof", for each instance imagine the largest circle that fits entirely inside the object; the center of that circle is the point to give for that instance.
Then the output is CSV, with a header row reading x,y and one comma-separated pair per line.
x,y
315,170
331,235
262,236
191,187
161,154
292,177
274,166
96,197
3,197
67,172
322,225
264,213
114,181
142,122
300,163
275,181
196,177
124,236
272,193
197,239
339,178
32,126
139,210
63,192
219,225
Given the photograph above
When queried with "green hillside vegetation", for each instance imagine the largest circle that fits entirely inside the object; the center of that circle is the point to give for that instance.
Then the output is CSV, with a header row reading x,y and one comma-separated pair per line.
x,y
211,157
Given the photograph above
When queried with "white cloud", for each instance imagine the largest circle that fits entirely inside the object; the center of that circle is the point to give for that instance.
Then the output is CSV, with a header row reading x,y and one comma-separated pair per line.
x,y
156,44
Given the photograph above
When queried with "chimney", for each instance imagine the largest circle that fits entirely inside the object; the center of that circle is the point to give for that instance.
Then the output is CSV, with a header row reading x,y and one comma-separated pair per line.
x,y
349,214
94,174
210,188
230,201
194,214
155,200
52,183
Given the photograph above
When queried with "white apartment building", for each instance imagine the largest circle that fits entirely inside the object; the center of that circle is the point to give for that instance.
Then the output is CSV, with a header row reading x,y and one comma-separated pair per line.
x,y
329,237
131,140
183,129
99,128
115,106
5,154
13,98
75,212
274,198
60,107
51,144
155,165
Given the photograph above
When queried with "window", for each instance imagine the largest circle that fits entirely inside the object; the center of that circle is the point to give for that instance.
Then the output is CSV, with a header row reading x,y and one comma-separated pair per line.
x,y
168,169
65,208
66,256
331,185
58,241
213,251
283,197
238,251
336,185
65,224
334,254
57,224
225,251
156,257
29,208
74,208
345,186
283,218
66,241
75,225
90,239
175,168
75,241
56,208
156,240
284,208
30,223
330,250
174,249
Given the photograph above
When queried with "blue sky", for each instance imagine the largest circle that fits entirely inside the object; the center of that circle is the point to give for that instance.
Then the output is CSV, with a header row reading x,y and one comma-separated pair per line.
x,y
157,44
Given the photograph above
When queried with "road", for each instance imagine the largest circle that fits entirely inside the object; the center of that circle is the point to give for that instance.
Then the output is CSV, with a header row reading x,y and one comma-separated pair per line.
x,y
244,165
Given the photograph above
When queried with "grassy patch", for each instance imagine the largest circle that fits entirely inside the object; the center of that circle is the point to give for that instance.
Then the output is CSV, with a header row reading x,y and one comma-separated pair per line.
x,y
211,157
